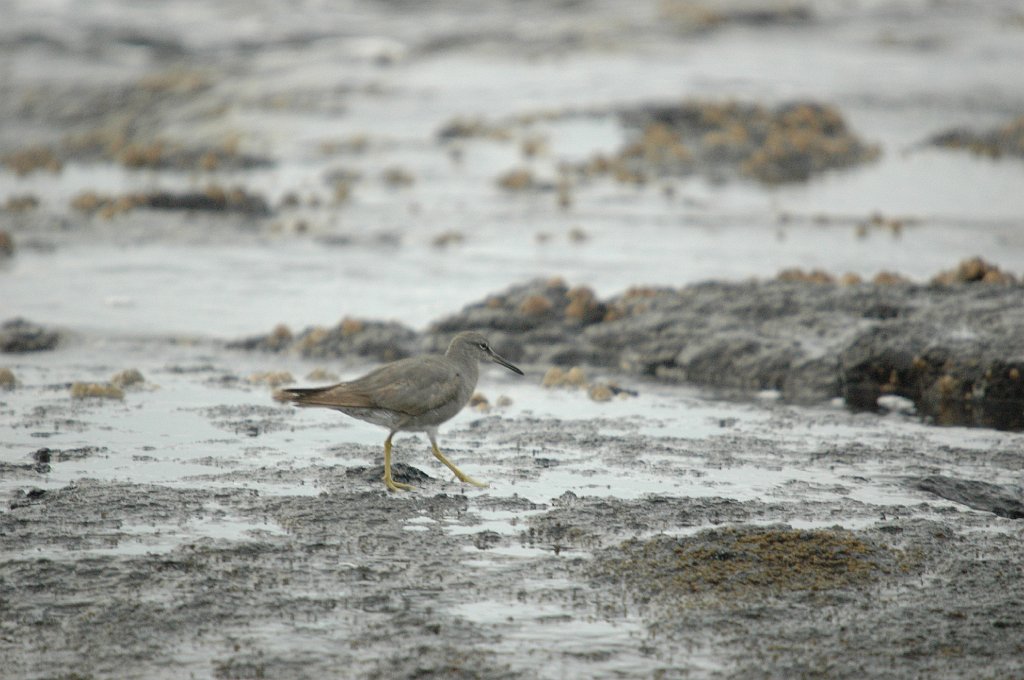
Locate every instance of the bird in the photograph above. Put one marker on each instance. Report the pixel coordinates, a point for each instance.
(416, 394)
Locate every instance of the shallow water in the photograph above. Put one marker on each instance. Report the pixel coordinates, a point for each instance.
(170, 277)
(160, 292)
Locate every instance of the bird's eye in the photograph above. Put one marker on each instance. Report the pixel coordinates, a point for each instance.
(483, 346)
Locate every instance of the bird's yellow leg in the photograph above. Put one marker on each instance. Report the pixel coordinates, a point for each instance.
(463, 477)
(388, 481)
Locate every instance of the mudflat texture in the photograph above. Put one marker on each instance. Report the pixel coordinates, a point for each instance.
(761, 262)
(220, 575)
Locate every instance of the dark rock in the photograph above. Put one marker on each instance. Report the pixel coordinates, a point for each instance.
(236, 201)
(401, 472)
(485, 540)
(383, 341)
(28, 498)
(21, 335)
(953, 350)
(974, 494)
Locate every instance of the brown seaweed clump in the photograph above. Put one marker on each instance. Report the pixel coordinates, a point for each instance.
(118, 146)
(468, 128)
(28, 160)
(818, 276)
(1006, 140)
(789, 143)
(382, 341)
(212, 199)
(974, 270)
(824, 278)
(523, 308)
(743, 563)
(125, 148)
(518, 179)
(84, 390)
(21, 203)
(129, 377)
(557, 377)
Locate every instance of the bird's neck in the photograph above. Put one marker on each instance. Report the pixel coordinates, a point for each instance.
(468, 368)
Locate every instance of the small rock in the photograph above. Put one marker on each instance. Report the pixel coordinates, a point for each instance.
(447, 238)
(19, 335)
(519, 179)
(127, 377)
(478, 402)
(7, 379)
(397, 177)
(486, 539)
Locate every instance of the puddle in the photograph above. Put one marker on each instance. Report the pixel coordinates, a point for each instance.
(156, 539)
(555, 643)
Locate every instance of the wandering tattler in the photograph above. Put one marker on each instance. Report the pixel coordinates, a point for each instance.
(410, 395)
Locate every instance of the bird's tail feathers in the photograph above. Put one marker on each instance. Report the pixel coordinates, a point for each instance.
(331, 396)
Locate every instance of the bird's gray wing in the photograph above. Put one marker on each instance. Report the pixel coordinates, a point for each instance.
(411, 386)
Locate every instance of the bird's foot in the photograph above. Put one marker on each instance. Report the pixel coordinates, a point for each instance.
(463, 477)
(392, 485)
(469, 480)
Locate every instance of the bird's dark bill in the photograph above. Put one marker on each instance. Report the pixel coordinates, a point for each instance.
(506, 364)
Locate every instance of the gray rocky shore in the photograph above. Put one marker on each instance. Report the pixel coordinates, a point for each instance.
(952, 349)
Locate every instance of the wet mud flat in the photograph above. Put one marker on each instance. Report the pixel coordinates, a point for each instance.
(341, 585)
(639, 533)
(754, 540)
